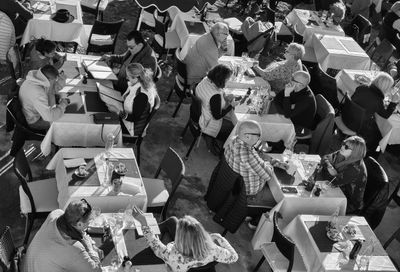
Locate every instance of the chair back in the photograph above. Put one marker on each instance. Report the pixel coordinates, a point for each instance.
(104, 28)
(181, 68)
(327, 86)
(323, 132)
(352, 114)
(283, 243)
(91, 10)
(140, 128)
(195, 113)
(7, 251)
(380, 54)
(270, 14)
(14, 58)
(395, 236)
(361, 30)
(298, 38)
(210, 267)
(376, 192)
(160, 27)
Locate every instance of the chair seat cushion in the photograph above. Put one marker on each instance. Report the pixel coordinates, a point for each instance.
(172, 38)
(44, 193)
(343, 128)
(157, 194)
(98, 39)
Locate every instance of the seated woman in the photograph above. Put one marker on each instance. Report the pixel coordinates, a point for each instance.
(44, 52)
(192, 246)
(391, 26)
(139, 100)
(215, 104)
(337, 10)
(371, 98)
(347, 169)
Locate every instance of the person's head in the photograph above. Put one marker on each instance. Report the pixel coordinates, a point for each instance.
(135, 41)
(45, 47)
(135, 72)
(220, 31)
(353, 148)
(384, 82)
(294, 51)
(300, 79)
(78, 214)
(50, 72)
(191, 239)
(338, 10)
(249, 131)
(396, 8)
(219, 75)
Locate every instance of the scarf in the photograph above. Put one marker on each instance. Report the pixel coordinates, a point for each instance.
(340, 162)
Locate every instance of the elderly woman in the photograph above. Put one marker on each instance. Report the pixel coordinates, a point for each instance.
(192, 246)
(139, 99)
(371, 98)
(44, 52)
(391, 26)
(278, 74)
(215, 104)
(347, 169)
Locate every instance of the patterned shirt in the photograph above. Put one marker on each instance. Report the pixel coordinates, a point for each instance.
(245, 160)
(278, 74)
(222, 253)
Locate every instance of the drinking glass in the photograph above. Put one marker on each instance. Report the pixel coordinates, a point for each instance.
(115, 262)
(302, 156)
(363, 263)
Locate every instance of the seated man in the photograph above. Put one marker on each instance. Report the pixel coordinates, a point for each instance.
(61, 244)
(204, 54)
(297, 102)
(244, 159)
(138, 52)
(278, 74)
(38, 100)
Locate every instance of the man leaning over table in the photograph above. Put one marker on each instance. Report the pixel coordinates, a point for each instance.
(138, 52)
(278, 74)
(244, 159)
(61, 244)
(204, 53)
(38, 97)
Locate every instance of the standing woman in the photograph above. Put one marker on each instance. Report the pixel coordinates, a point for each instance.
(347, 169)
(139, 99)
(390, 29)
(44, 52)
(192, 245)
(371, 98)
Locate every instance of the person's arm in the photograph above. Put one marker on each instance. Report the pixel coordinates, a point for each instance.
(215, 107)
(272, 72)
(347, 176)
(139, 106)
(115, 58)
(224, 252)
(47, 112)
(159, 249)
(298, 109)
(86, 258)
(149, 62)
(386, 113)
(256, 163)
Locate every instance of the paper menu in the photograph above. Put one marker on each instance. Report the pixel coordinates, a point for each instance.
(99, 69)
(110, 96)
(151, 222)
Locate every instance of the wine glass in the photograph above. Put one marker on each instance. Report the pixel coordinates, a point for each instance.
(115, 261)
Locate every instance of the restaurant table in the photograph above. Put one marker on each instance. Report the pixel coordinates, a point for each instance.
(42, 26)
(303, 202)
(123, 242)
(308, 22)
(339, 53)
(93, 4)
(309, 234)
(76, 127)
(92, 188)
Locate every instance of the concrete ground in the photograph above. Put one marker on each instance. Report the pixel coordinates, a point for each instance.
(164, 131)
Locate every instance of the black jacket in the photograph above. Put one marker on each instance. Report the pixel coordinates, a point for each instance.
(18, 13)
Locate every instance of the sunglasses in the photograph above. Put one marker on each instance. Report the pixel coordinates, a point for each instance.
(254, 134)
(88, 209)
(296, 81)
(346, 147)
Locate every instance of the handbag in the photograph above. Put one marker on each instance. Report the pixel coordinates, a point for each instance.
(106, 118)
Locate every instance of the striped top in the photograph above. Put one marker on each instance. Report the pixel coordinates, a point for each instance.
(7, 35)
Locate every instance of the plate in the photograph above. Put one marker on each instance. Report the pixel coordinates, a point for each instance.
(334, 235)
(76, 173)
(362, 79)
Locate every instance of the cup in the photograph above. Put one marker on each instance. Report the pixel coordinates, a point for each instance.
(109, 174)
(302, 155)
(119, 171)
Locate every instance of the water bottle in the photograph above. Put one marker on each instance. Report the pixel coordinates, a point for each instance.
(109, 144)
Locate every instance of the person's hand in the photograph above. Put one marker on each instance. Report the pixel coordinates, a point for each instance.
(64, 102)
(126, 268)
(113, 108)
(139, 216)
(289, 88)
(395, 98)
(229, 98)
(216, 237)
(105, 58)
(99, 252)
(332, 171)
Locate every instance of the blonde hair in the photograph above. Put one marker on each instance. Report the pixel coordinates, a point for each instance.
(145, 76)
(191, 239)
(297, 50)
(383, 81)
(358, 148)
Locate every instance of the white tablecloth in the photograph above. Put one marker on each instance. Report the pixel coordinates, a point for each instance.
(346, 82)
(97, 196)
(93, 4)
(315, 260)
(74, 129)
(41, 26)
(300, 18)
(339, 53)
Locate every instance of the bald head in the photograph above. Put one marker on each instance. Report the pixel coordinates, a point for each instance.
(220, 31)
(249, 131)
(302, 77)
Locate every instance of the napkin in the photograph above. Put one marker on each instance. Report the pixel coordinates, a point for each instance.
(71, 163)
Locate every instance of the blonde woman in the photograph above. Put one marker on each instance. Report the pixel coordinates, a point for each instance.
(371, 98)
(192, 246)
(139, 99)
(347, 169)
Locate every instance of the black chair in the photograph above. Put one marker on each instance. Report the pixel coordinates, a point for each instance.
(103, 36)
(94, 9)
(351, 117)
(360, 30)
(395, 236)
(283, 246)
(270, 14)
(210, 267)
(158, 74)
(164, 41)
(181, 87)
(326, 86)
(37, 198)
(193, 123)
(298, 38)
(22, 132)
(322, 4)
(14, 58)
(10, 255)
(147, 19)
(376, 194)
(157, 194)
(380, 54)
(140, 130)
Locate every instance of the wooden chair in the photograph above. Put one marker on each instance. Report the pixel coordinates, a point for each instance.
(103, 36)
(14, 58)
(395, 236)
(351, 117)
(94, 9)
(37, 198)
(164, 40)
(158, 198)
(326, 86)
(360, 30)
(10, 255)
(380, 54)
(193, 123)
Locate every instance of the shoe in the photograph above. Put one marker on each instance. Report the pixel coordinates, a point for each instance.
(251, 226)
